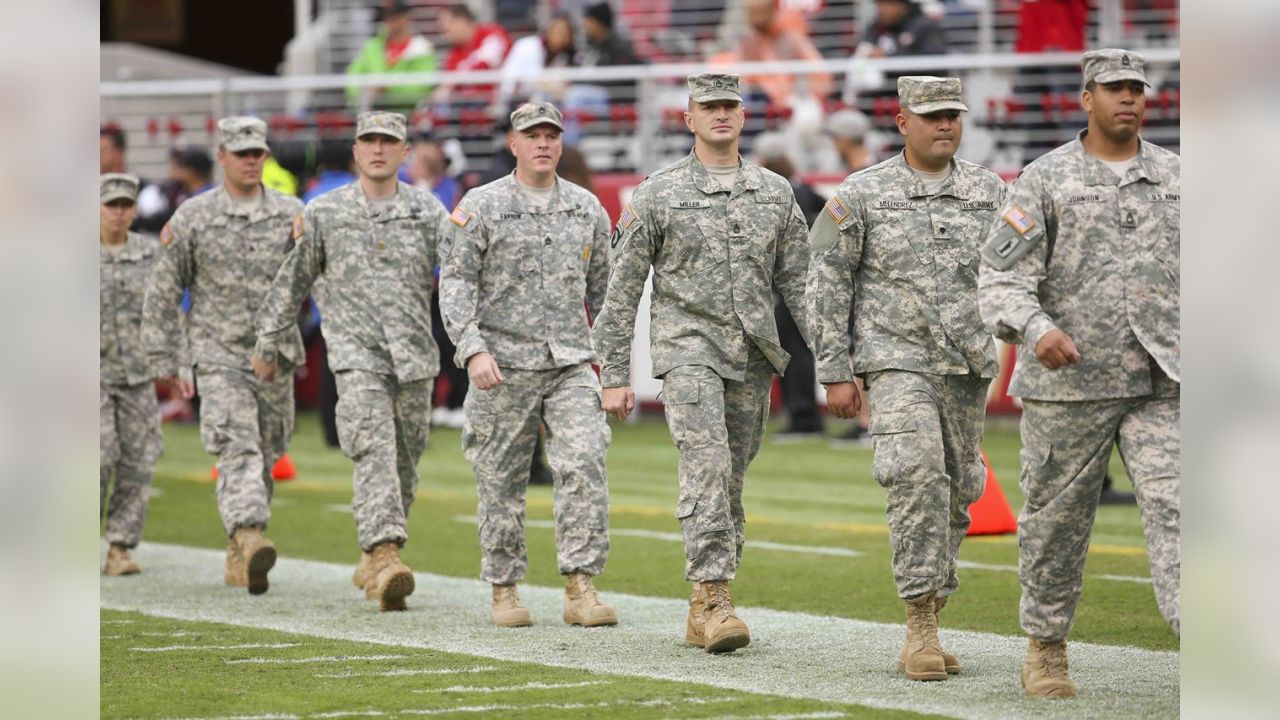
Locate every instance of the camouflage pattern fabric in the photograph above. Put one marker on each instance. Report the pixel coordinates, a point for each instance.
(927, 431)
(1066, 447)
(717, 256)
(227, 258)
(498, 438)
(375, 271)
(122, 286)
(383, 424)
(1104, 271)
(247, 424)
(907, 263)
(717, 425)
(515, 278)
(130, 442)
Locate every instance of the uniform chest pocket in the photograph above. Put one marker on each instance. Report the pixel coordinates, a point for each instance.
(693, 242)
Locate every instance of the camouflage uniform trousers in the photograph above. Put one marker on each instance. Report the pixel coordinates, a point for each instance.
(927, 434)
(717, 425)
(247, 425)
(498, 438)
(129, 443)
(385, 479)
(1066, 447)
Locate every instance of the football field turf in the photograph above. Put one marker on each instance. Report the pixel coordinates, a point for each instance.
(814, 586)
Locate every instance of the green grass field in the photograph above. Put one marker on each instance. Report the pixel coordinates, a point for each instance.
(802, 494)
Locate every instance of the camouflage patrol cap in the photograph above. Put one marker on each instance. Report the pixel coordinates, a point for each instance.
(1111, 65)
(710, 87)
(533, 114)
(923, 94)
(242, 132)
(381, 122)
(117, 186)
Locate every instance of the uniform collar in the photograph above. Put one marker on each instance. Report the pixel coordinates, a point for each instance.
(518, 201)
(403, 206)
(269, 207)
(749, 177)
(1095, 172)
(135, 248)
(959, 184)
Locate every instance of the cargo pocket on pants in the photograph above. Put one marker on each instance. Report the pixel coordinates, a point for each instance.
(356, 431)
(893, 439)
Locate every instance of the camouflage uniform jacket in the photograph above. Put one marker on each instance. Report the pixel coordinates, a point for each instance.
(122, 285)
(226, 257)
(717, 257)
(514, 280)
(907, 262)
(376, 273)
(1105, 271)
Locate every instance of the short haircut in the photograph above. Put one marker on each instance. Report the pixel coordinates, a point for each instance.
(113, 131)
(1091, 86)
(461, 10)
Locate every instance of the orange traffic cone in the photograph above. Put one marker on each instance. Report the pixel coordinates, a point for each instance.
(283, 471)
(991, 514)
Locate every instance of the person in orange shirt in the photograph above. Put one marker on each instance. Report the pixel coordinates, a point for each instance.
(773, 35)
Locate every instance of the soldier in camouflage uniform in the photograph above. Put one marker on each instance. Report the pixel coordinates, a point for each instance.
(721, 234)
(128, 418)
(1081, 269)
(224, 247)
(899, 244)
(526, 268)
(372, 246)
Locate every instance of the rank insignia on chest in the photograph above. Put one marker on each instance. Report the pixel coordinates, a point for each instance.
(297, 227)
(460, 217)
(586, 252)
(837, 210)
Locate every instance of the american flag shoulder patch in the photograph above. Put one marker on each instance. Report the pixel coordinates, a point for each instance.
(297, 227)
(627, 217)
(837, 210)
(1019, 220)
(460, 217)
(166, 235)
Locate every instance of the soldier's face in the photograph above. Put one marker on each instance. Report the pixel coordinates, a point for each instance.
(378, 157)
(118, 215)
(243, 168)
(1116, 109)
(933, 137)
(718, 122)
(537, 149)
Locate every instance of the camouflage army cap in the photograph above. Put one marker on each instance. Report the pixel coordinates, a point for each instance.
(1112, 65)
(242, 132)
(381, 122)
(533, 114)
(709, 87)
(923, 94)
(117, 186)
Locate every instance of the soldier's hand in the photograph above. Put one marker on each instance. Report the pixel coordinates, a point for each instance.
(266, 371)
(483, 371)
(179, 386)
(619, 401)
(1056, 349)
(843, 400)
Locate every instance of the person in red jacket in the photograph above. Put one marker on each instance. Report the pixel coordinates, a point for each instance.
(472, 47)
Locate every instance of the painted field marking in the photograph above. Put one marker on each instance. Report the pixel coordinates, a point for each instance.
(536, 685)
(410, 672)
(792, 654)
(242, 646)
(317, 659)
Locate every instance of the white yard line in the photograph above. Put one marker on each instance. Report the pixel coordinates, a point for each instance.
(511, 688)
(791, 654)
(317, 659)
(201, 648)
(410, 672)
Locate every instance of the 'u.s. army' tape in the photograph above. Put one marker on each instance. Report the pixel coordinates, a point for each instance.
(1014, 238)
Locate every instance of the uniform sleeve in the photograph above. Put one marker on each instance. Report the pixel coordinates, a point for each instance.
(164, 328)
(303, 263)
(632, 246)
(836, 243)
(598, 267)
(1008, 289)
(791, 268)
(460, 282)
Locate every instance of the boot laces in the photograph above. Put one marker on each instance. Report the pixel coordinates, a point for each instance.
(508, 596)
(1053, 658)
(721, 601)
(585, 589)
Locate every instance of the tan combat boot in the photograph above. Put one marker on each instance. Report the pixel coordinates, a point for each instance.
(233, 570)
(722, 631)
(951, 661)
(693, 635)
(921, 657)
(388, 580)
(257, 557)
(507, 609)
(582, 604)
(361, 575)
(1044, 673)
(119, 562)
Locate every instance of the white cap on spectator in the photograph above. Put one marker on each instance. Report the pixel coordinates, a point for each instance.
(849, 125)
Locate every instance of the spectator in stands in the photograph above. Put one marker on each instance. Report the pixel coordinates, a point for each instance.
(111, 146)
(503, 162)
(800, 382)
(471, 47)
(429, 168)
(278, 178)
(604, 46)
(901, 28)
(775, 34)
(530, 55)
(396, 49)
(851, 133)
(1051, 25)
(152, 208)
(337, 169)
(191, 173)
